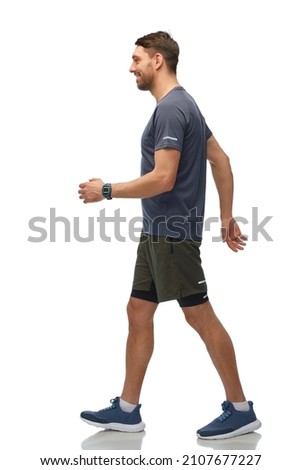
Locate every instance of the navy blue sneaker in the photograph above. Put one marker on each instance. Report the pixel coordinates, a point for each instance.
(114, 418)
(230, 423)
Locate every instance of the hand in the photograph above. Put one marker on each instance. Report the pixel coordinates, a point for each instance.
(91, 191)
(232, 235)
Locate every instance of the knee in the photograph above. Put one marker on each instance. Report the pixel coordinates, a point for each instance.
(192, 318)
(132, 309)
(139, 315)
(199, 317)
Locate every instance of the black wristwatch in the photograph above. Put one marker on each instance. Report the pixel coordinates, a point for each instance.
(107, 191)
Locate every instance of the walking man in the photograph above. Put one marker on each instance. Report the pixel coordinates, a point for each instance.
(176, 145)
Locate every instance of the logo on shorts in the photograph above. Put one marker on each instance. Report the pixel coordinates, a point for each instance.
(202, 282)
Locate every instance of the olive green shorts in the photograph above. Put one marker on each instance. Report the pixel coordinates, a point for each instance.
(169, 269)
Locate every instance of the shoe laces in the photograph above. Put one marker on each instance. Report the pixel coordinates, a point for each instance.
(113, 401)
(226, 412)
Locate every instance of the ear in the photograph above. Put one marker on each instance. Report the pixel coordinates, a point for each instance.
(158, 59)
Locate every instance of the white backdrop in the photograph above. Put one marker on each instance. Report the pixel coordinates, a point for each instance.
(70, 110)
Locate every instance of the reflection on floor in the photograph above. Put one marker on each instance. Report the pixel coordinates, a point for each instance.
(245, 442)
(116, 440)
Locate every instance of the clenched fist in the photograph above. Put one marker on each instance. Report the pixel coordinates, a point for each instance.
(91, 191)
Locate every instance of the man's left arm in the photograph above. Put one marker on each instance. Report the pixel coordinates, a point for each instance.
(223, 178)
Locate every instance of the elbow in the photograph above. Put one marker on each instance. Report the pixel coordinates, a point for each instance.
(223, 164)
(227, 161)
(219, 162)
(167, 184)
(164, 182)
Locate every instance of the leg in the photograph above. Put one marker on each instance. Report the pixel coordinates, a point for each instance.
(219, 346)
(139, 348)
(140, 345)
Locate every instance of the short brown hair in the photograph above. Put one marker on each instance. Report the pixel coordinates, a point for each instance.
(163, 43)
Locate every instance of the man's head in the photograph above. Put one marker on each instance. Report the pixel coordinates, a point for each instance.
(161, 43)
(154, 52)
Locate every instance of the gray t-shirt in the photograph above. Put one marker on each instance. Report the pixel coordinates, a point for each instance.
(177, 123)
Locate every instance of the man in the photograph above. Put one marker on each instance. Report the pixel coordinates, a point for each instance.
(176, 144)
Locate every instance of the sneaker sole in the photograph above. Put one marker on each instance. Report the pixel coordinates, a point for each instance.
(118, 426)
(238, 432)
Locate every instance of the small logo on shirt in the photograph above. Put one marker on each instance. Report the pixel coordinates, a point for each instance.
(201, 282)
(171, 138)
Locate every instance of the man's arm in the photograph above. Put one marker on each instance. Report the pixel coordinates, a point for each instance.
(223, 178)
(160, 180)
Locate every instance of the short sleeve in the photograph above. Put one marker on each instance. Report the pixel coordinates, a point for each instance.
(208, 132)
(169, 127)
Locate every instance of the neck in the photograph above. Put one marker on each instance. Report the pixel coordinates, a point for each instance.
(161, 89)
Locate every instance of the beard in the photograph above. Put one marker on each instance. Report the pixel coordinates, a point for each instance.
(144, 83)
(142, 87)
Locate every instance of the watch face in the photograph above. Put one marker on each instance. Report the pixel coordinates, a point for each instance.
(106, 191)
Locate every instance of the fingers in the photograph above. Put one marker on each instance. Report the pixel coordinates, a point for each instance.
(237, 243)
(90, 191)
(232, 235)
(240, 240)
(83, 192)
(235, 240)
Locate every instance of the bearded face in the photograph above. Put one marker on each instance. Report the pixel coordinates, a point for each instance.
(143, 69)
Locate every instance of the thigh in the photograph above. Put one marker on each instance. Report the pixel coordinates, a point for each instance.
(189, 267)
(179, 273)
(144, 287)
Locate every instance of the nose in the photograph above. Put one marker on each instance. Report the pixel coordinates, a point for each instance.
(132, 67)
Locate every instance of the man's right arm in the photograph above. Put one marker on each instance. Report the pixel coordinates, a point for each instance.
(160, 180)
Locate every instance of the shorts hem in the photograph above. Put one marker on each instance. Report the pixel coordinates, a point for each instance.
(187, 301)
(144, 295)
(193, 300)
